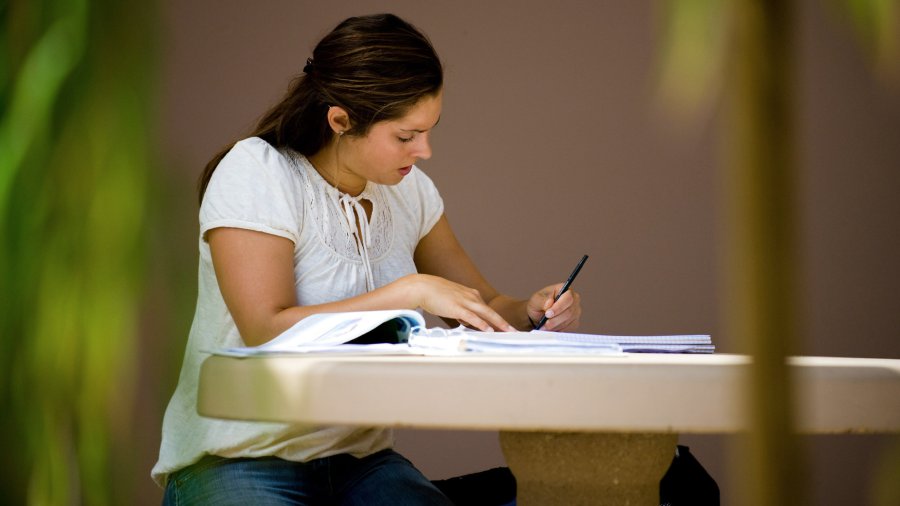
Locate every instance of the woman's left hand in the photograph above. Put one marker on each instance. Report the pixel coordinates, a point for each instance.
(562, 315)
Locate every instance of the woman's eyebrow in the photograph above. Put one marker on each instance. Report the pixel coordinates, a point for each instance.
(421, 131)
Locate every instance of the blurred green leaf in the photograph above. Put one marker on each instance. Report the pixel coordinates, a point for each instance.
(692, 53)
(696, 43)
(876, 24)
(37, 85)
(76, 158)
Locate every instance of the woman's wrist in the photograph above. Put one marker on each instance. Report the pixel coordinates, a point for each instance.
(512, 310)
(409, 291)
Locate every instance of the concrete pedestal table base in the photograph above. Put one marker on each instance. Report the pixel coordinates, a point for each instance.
(588, 468)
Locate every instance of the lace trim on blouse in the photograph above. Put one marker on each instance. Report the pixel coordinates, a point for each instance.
(341, 221)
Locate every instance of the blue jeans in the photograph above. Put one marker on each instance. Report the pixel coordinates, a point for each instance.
(383, 478)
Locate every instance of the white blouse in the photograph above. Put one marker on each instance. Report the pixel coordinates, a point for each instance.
(338, 253)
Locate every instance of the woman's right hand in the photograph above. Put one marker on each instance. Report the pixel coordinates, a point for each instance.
(444, 298)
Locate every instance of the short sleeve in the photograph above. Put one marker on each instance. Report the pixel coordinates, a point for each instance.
(430, 201)
(256, 188)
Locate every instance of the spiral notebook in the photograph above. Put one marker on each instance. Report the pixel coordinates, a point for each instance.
(557, 342)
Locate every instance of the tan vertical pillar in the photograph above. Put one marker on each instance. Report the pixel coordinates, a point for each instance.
(761, 247)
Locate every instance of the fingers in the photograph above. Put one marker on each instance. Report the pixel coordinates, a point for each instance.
(541, 301)
(452, 300)
(564, 314)
(476, 313)
(485, 321)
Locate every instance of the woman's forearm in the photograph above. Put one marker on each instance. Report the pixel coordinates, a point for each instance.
(400, 294)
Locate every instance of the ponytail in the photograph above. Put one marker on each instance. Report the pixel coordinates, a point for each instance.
(374, 67)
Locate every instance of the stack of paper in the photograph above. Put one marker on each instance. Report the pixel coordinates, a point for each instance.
(464, 340)
(693, 343)
(404, 332)
(538, 341)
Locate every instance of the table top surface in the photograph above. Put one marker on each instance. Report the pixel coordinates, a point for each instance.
(630, 393)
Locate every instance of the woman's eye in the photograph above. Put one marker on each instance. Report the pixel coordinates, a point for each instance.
(405, 139)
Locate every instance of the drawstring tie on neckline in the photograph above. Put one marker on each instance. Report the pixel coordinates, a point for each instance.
(356, 224)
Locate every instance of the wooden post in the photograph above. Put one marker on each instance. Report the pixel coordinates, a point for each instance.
(761, 255)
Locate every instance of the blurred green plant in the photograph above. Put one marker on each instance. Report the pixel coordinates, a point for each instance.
(744, 51)
(876, 24)
(76, 149)
(697, 42)
(692, 53)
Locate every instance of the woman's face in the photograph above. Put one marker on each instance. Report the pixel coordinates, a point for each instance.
(386, 154)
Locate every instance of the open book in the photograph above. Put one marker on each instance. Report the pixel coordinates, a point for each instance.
(405, 332)
(351, 332)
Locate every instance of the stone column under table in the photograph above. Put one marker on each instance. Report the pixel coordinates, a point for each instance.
(594, 469)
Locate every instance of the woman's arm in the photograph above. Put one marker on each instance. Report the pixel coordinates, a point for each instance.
(255, 272)
(440, 254)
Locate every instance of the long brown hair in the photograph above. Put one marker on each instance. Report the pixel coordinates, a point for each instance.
(374, 67)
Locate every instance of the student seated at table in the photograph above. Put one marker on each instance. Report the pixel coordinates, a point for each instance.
(321, 209)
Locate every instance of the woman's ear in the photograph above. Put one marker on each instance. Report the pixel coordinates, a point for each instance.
(338, 120)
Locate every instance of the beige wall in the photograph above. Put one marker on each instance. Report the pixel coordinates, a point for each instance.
(550, 147)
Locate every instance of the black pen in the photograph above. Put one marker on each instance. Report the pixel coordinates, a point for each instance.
(563, 290)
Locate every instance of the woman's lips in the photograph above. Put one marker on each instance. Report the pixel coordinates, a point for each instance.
(406, 170)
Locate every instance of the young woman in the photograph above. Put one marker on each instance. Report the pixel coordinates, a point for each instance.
(323, 210)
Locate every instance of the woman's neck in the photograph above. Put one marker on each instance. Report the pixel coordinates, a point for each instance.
(327, 165)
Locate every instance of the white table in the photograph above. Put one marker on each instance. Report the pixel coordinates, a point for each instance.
(574, 430)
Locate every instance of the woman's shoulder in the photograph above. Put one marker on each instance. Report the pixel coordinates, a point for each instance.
(416, 189)
(253, 144)
(254, 166)
(252, 156)
(417, 180)
(418, 197)
(254, 187)
(258, 149)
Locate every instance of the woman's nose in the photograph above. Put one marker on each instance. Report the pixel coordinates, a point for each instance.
(423, 147)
